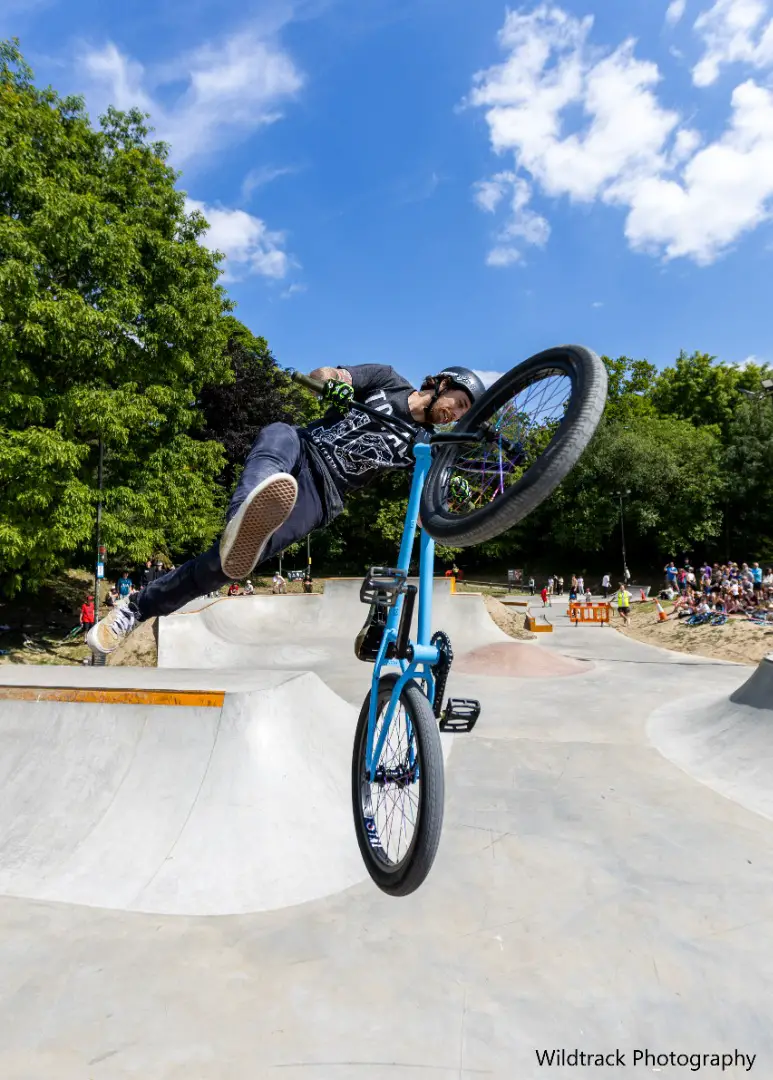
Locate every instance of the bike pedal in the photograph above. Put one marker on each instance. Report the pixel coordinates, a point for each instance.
(383, 585)
(461, 715)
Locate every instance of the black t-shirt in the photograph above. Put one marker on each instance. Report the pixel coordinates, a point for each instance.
(354, 447)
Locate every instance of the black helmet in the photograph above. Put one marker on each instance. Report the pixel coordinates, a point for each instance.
(464, 379)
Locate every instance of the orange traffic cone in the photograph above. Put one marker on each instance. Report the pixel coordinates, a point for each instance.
(661, 613)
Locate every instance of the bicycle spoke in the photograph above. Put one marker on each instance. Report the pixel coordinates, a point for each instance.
(524, 425)
(391, 797)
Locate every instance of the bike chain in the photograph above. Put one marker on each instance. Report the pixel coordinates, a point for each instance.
(441, 669)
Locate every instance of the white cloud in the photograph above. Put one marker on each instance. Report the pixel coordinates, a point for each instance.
(675, 11)
(489, 193)
(503, 256)
(230, 90)
(522, 222)
(293, 291)
(248, 245)
(488, 378)
(597, 303)
(259, 177)
(733, 31)
(587, 124)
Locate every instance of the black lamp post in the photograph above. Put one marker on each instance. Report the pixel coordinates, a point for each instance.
(620, 496)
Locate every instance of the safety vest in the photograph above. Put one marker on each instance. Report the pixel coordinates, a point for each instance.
(623, 598)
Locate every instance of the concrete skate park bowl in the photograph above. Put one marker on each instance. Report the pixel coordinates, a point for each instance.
(725, 741)
(181, 892)
(317, 631)
(177, 801)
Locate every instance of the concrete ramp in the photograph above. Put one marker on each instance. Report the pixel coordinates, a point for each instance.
(298, 632)
(175, 801)
(724, 742)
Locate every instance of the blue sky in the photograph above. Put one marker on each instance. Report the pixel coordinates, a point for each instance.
(420, 182)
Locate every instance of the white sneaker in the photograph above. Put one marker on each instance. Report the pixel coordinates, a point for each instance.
(265, 509)
(113, 630)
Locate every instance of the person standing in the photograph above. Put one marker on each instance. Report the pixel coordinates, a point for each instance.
(124, 586)
(606, 585)
(87, 614)
(623, 603)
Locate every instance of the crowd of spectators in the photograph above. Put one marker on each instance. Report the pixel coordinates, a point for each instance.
(722, 588)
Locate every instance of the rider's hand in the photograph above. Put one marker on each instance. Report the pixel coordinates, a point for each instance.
(338, 393)
(460, 489)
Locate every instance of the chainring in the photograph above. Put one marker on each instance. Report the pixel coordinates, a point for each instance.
(441, 669)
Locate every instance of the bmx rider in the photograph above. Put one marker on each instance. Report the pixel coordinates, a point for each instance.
(295, 480)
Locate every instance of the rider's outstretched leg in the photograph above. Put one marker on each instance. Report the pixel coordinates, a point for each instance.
(262, 520)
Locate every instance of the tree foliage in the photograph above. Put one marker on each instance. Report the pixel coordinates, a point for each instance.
(258, 393)
(111, 322)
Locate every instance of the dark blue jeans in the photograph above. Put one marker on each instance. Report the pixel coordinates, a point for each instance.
(278, 448)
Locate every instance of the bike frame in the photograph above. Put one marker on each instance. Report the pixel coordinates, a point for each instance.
(424, 654)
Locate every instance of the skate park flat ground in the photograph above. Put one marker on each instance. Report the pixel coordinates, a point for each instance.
(181, 894)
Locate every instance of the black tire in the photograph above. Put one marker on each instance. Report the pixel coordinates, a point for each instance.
(586, 405)
(404, 876)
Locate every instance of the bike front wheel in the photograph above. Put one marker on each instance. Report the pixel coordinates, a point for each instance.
(398, 807)
(539, 418)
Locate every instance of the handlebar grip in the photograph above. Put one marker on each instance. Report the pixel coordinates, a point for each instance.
(315, 385)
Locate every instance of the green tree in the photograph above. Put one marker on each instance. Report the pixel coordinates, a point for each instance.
(748, 461)
(673, 473)
(110, 325)
(258, 393)
(699, 389)
(630, 386)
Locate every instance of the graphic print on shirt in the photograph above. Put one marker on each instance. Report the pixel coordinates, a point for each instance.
(358, 446)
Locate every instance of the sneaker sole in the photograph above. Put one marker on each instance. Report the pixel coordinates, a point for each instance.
(259, 517)
(96, 646)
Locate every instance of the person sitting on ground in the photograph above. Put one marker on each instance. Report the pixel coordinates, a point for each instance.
(112, 598)
(295, 479)
(249, 588)
(233, 589)
(278, 583)
(87, 614)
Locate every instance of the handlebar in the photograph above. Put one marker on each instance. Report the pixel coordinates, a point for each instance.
(315, 385)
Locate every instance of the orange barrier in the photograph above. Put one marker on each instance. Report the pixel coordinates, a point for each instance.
(589, 613)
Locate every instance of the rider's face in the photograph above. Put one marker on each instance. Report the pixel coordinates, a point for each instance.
(449, 407)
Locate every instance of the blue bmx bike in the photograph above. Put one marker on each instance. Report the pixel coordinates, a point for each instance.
(471, 482)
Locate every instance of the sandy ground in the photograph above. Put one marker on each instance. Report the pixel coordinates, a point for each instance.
(508, 619)
(141, 650)
(738, 640)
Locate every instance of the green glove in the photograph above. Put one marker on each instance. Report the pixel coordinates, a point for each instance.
(460, 489)
(339, 394)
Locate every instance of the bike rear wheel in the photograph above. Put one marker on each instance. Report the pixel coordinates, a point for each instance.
(541, 416)
(398, 811)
